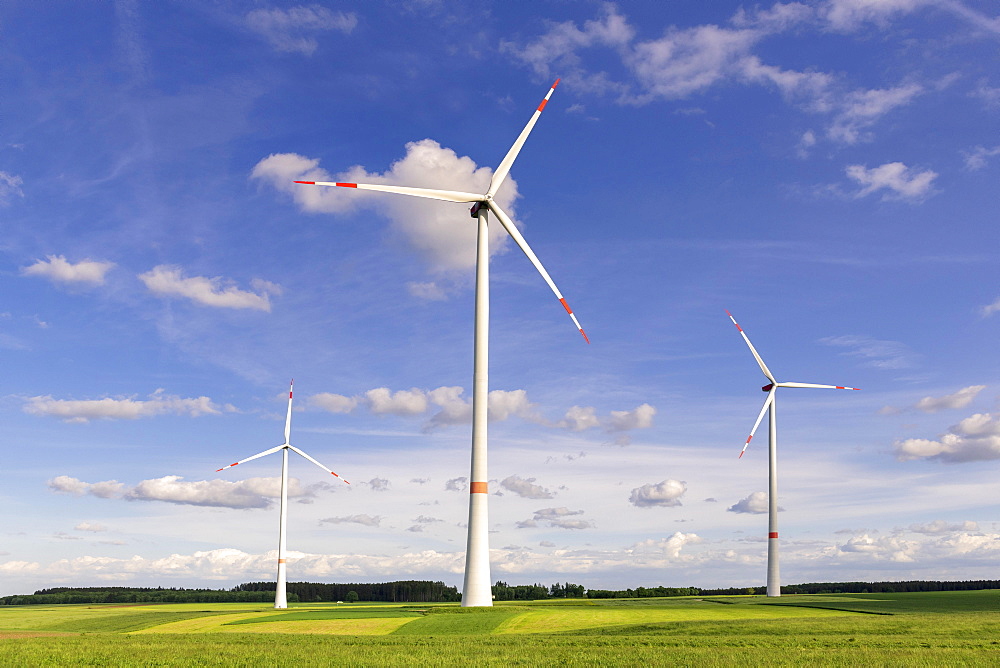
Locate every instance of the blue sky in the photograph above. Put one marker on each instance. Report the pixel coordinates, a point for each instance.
(825, 170)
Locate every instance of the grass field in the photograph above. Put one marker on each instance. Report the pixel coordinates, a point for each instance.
(920, 629)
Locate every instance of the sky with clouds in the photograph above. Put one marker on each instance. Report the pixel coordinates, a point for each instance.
(827, 170)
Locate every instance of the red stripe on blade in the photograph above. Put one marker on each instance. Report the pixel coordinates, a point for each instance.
(566, 306)
(542, 105)
(308, 183)
(347, 185)
(556, 83)
(585, 337)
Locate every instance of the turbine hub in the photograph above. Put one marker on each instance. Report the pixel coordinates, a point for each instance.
(767, 388)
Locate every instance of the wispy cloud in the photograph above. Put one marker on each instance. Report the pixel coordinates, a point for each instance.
(169, 281)
(976, 159)
(876, 353)
(294, 30)
(249, 493)
(10, 185)
(362, 519)
(122, 408)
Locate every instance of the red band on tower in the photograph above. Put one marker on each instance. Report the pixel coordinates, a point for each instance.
(773, 534)
(478, 488)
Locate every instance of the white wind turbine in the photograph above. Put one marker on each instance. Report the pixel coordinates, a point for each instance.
(773, 578)
(476, 589)
(280, 597)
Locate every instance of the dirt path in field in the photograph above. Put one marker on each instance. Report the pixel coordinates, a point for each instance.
(15, 635)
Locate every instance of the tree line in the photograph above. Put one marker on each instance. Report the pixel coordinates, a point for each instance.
(425, 591)
(413, 591)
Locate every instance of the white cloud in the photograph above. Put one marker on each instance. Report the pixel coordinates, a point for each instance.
(664, 494)
(334, 403)
(959, 399)
(362, 519)
(85, 410)
(640, 417)
(379, 484)
(249, 493)
(882, 548)
(383, 401)
(525, 487)
(90, 526)
(59, 269)
(10, 184)
(217, 292)
(990, 309)
(755, 503)
(293, 30)
(976, 158)
(558, 518)
(457, 485)
(849, 15)
(861, 109)
(897, 179)
(579, 418)
(974, 439)
(939, 527)
(880, 354)
(441, 233)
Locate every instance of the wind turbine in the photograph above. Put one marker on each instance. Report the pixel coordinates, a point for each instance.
(773, 578)
(476, 588)
(280, 597)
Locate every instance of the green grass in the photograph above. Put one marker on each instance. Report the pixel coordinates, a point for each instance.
(920, 629)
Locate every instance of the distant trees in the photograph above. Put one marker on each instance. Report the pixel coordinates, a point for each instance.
(644, 592)
(412, 591)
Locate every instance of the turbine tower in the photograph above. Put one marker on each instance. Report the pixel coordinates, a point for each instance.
(476, 588)
(773, 576)
(280, 596)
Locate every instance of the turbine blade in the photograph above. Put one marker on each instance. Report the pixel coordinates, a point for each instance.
(294, 449)
(763, 367)
(827, 387)
(508, 225)
(445, 195)
(504, 167)
(259, 454)
(288, 417)
(767, 404)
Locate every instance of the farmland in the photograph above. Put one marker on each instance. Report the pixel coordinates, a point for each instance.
(935, 628)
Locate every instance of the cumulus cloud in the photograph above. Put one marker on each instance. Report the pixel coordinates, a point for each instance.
(898, 180)
(169, 281)
(669, 547)
(755, 503)
(383, 401)
(881, 548)
(875, 352)
(249, 493)
(579, 418)
(974, 439)
(58, 269)
(860, 110)
(440, 233)
(457, 485)
(334, 403)
(293, 30)
(362, 519)
(959, 399)
(84, 410)
(10, 184)
(621, 422)
(525, 487)
(379, 484)
(662, 494)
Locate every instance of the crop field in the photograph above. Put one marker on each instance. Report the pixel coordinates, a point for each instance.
(913, 629)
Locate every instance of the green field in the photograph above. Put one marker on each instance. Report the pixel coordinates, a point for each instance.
(920, 629)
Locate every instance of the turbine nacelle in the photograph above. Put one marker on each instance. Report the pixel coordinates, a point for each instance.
(767, 388)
